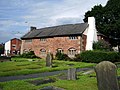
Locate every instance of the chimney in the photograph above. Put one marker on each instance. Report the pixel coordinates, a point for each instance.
(91, 22)
(91, 34)
(32, 28)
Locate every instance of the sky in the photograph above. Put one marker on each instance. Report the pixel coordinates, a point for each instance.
(16, 16)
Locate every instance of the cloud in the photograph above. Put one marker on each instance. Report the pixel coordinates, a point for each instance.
(19, 15)
(46, 14)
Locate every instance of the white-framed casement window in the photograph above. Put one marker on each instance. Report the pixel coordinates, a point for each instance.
(60, 50)
(14, 46)
(25, 51)
(28, 40)
(42, 52)
(72, 51)
(14, 52)
(43, 39)
(73, 37)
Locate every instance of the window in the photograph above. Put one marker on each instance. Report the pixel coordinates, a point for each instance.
(14, 52)
(73, 37)
(60, 50)
(71, 51)
(25, 51)
(43, 52)
(14, 46)
(43, 39)
(28, 40)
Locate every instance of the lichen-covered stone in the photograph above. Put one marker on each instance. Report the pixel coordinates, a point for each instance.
(72, 74)
(106, 76)
(49, 60)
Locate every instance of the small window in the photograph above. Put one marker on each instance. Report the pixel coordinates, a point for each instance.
(73, 37)
(14, 46)
(14, 52)
(71, 51)
(60, 50)
(43, 52)
(28, 40)
(43, 39)
(25, 51)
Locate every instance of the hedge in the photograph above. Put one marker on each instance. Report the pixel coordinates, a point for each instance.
(98, 56)
(62, 56)
(30, 54)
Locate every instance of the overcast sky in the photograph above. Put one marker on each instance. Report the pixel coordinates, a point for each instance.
(16, 16)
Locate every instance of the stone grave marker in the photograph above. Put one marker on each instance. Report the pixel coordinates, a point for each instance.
(49, 60)
(72, 74)
(106, 76)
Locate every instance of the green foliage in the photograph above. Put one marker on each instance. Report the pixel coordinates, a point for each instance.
(2, 49)
(98, 56)
(30, 54)
(84, 82)
(62, 56)
(101, 45)
(23, 66)
(17, 85)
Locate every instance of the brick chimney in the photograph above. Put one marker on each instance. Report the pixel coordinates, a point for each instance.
(32, 28)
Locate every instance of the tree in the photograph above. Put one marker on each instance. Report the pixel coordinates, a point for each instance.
(102, 45)
(1, 49)
(107, 20)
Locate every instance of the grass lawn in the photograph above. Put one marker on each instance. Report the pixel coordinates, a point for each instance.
(22, 66)
(84, 82)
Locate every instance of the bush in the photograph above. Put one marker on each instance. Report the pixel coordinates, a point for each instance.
(98, 56)
(62, 56)
(101, 45)
(77, 58)
(30, 54)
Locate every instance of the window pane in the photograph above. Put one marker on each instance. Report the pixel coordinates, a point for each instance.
(73, 37)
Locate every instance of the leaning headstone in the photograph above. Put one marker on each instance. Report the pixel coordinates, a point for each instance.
(49, 60)
(72, 74)
(106, 76)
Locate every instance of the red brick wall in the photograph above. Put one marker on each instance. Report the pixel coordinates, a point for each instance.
(52, 44)
(84, 41)
(15, 45)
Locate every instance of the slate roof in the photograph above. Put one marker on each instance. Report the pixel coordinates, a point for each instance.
(62, 30)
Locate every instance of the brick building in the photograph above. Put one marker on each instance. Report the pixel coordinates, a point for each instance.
(12, 47)
(70, 39)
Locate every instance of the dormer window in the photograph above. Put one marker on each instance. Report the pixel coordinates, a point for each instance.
(73, 37)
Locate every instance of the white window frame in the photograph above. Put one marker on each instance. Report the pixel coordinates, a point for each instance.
(60, 50)
(72, 51)
(42, 52)
(43, 39)
(73, 37)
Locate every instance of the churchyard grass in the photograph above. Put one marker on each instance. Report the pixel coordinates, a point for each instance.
(84, 82)
(23, 66)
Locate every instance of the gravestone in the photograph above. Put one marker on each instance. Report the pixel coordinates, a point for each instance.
(49, 60)
(106, 76)
(72, 74)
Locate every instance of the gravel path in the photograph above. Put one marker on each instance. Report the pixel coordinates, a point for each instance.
(45, 74)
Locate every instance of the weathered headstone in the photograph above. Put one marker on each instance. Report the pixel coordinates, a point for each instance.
(72, 74)
(49, 60)
(106, 76)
